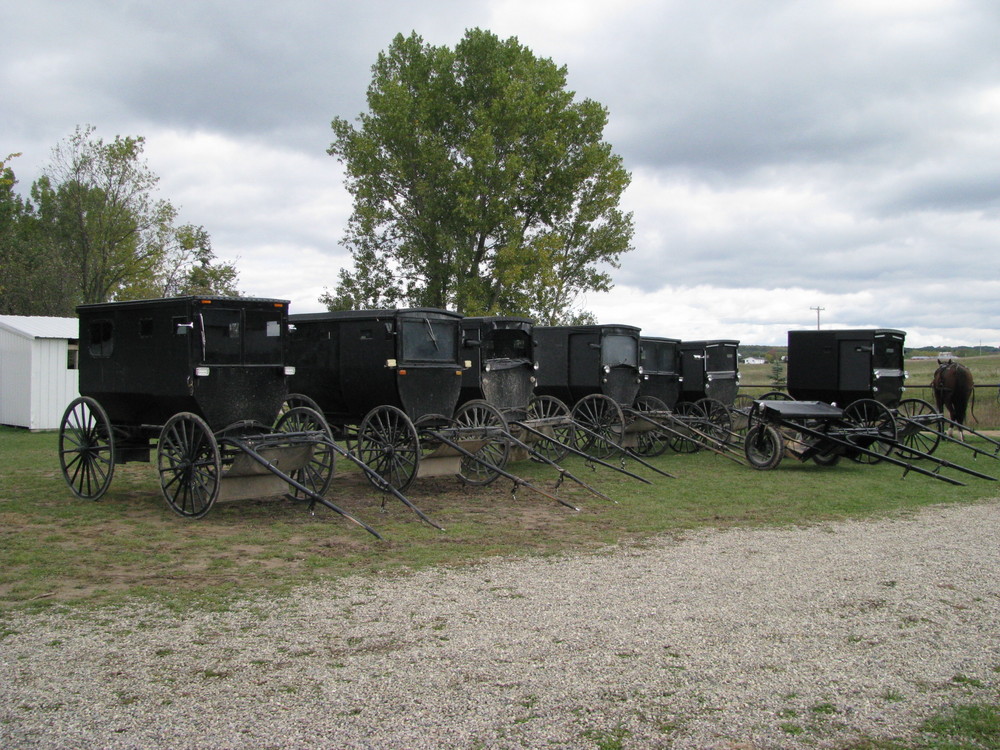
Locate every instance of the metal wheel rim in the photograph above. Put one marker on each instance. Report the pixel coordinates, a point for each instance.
(86, 448)
(189, 464)
(600, 415)
(688, 412)
(914, 437)
(763, 447)
(651, 443)
(869, 413)
(478, 415)
(549, 407)
(387, 443)
(318, 472)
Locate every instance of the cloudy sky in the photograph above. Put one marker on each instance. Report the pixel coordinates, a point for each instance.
(785, 154)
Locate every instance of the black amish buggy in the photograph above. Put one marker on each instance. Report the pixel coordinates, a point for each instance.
(846, 386)
(661, 378)
(204, 378)
(501, 352)
(389, 381)
(595, 369)
(709, 369)
(840, 367)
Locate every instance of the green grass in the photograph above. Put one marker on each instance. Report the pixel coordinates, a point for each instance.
(56, 548)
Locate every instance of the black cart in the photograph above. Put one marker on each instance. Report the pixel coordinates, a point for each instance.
(388, 382)
(204, 379)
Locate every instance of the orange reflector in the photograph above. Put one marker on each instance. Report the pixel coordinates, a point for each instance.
(279, 304)
(458, 372)
(206, 302)
(402, 372)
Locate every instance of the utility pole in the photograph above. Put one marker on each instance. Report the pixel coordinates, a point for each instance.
(817, 309)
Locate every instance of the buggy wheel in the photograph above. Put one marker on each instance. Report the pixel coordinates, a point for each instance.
(775, 396)
(687, 414)
(740, 414)
(388, 444)
(651, 442)
(764, 447)
(297, 399)
(555, 422)
(718, 423)
(190, 466)
(874, 429)
(86, 448)
(485, 419)
(603, 423)
(317, 473)
(920, 427)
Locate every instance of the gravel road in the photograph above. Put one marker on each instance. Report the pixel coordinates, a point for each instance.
(759, 638)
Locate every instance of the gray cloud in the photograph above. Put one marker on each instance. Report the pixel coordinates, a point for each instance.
(830, 147)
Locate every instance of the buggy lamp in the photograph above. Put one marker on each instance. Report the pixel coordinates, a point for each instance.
(607, 369)
(289, 370)
(467, 363)
(202, 372)
(533, 380)
(390, 363)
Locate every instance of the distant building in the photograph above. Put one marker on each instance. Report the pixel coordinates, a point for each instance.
(38, 370)
(754, 361)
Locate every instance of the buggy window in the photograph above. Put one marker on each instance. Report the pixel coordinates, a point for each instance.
(427, 340)
(263, 337)
(507, 344)
(222, 336)
(617, 350)
(888, 354)
(721, 359)
(658, 357)
(102, 338)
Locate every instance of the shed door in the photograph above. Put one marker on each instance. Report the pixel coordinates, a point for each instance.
(855, 365)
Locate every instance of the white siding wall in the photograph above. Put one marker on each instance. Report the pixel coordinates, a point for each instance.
(53, 386)
(15, 381)
(35, 384)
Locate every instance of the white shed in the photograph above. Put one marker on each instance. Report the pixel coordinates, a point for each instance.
(38, 369)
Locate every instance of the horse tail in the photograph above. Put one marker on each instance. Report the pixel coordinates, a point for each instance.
(972, 403)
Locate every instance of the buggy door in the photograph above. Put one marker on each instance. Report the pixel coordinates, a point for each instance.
(855, 366)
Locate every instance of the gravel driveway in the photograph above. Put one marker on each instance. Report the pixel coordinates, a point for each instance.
(761, 638)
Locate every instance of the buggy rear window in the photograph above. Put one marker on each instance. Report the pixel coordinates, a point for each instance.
(263, 342)
(617, 350)
(429, 340)
(657, 357)
(721, 358)
(507, 344)
(222, 336)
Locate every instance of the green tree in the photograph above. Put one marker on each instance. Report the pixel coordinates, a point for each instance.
(96, 202)
(479, 183)
(33, 279)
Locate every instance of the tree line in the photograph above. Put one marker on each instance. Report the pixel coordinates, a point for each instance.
(92, 230)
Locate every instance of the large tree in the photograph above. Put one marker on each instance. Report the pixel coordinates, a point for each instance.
(33, 278)
(479, 182)
(97, 232)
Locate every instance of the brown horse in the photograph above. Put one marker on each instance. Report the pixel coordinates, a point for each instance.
(953, 388)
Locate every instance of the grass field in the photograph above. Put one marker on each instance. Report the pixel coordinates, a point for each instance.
(58, 551)
(56, 548)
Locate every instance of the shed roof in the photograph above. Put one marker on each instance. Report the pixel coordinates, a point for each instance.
(41, 327)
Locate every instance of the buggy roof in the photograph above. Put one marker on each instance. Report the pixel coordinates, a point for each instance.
(174, 300)
(853, 332)
(658, 340)
(591, 328)
(335, 315)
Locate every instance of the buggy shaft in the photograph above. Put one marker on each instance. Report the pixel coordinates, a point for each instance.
(580, 453)
(314, 496)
